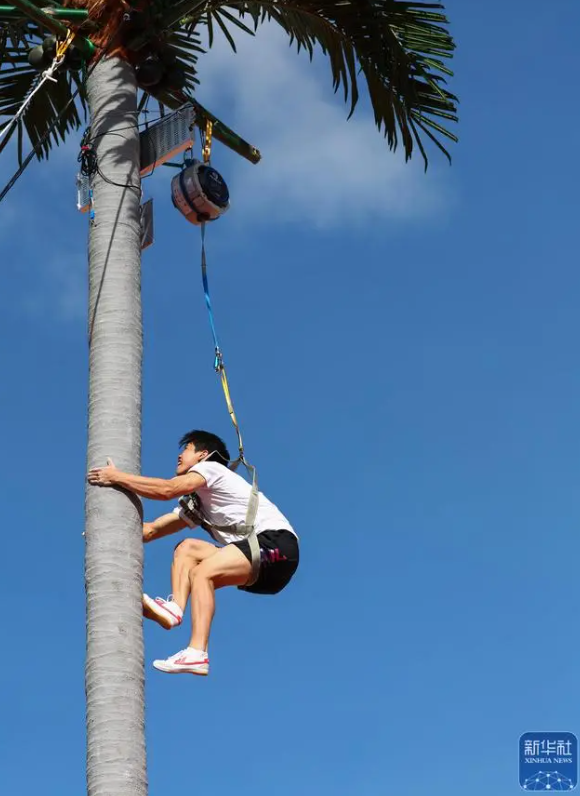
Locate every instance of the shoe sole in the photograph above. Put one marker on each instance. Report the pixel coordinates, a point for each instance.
(181, 671)
(157, 616)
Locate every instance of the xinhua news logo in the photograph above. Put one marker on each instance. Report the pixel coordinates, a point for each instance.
(548, 761)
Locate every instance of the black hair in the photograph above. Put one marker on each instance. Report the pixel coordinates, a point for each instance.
(205, 440)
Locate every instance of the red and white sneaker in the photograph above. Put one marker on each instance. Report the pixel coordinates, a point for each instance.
(187, 661)
(165, 612)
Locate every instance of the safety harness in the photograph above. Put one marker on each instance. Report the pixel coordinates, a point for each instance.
(192, 509)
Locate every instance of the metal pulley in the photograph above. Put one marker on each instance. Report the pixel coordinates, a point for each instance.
(200, 193)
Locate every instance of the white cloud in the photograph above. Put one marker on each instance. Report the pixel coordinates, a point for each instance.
(317, 165)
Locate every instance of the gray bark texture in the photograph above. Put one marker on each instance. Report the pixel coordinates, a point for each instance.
(114, 677)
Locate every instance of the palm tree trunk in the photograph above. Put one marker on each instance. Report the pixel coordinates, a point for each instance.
(116, 763)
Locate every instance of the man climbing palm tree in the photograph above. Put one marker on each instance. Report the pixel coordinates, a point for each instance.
(394, 50)
(218, 499)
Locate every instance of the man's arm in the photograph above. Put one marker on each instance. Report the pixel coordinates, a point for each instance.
(152, 488)
(163, 526)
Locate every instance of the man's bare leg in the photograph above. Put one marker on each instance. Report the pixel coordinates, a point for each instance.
(228, 567)
(169, 613)
(187, 556)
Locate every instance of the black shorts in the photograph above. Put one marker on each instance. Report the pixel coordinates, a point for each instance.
(279, 560)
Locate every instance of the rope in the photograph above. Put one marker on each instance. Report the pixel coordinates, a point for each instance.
(248, 529)
(47, 75)
(219, 359)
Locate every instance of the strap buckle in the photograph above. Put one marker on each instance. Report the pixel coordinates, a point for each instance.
(219, 360)
(208, 141)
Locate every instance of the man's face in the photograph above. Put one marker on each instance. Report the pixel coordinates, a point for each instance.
(188, 457)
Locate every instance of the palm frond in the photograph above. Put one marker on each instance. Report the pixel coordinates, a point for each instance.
(12, 38)
(50, 108)
(400, 48)
(184, 46)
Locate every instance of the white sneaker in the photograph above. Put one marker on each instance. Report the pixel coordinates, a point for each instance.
(188, 661)
(165, 612)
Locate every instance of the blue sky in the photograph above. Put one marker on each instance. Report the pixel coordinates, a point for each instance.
(402, 351)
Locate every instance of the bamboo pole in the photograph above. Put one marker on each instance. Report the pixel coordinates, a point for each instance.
(79, 15)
